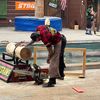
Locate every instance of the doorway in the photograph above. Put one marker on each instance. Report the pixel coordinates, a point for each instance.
(75, 13)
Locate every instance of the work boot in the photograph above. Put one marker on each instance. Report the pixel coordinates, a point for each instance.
(52, 80)
(88, 31)
(48, 85)
(60, 78)
(51, 83)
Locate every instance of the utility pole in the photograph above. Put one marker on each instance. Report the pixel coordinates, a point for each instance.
(98, 16)
(39, 8)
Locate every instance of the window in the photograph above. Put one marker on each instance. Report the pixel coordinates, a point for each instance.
(3, 8)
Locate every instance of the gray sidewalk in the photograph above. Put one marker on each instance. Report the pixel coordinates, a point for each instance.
(9, 34)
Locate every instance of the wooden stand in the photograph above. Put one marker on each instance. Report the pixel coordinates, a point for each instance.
(11, 67)
(16, 60)
(82, 74)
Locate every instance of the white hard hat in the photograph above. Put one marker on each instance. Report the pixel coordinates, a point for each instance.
(47, 21)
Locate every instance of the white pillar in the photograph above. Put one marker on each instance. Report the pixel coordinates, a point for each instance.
(39, 8)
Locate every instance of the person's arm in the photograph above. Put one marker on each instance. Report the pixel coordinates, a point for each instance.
(30, 43)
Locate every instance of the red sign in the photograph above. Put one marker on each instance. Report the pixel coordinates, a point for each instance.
(19, 5)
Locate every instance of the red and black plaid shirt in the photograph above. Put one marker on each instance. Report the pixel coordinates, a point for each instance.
(47, 37)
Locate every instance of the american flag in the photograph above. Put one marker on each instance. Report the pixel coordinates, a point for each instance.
(63, 4)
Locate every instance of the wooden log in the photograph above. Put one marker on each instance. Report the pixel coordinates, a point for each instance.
(20, 52)
(10, 48)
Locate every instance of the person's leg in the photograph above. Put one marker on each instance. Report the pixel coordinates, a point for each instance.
(54, 66)
(61, 61)
(94, 26)
(88, 28)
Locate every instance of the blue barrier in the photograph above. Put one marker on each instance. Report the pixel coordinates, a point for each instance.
(28, 23)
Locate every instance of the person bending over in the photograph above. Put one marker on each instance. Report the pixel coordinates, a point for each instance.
(55, 43)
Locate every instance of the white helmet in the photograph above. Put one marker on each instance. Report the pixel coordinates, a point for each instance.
(47, 21)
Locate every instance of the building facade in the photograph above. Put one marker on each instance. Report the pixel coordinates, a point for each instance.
(74, 12)
(9, 10)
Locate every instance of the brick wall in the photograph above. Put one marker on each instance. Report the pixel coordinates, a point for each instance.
(11, 13)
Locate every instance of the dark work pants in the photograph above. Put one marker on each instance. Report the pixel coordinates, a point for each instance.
(88, 26)
(61, 61)
(89, 23)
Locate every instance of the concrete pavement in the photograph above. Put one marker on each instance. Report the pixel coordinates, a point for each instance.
(63, 89)
(9, 34)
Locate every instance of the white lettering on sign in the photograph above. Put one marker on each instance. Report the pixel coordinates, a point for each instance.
(25, 5)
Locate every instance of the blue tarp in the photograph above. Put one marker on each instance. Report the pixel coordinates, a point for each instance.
(28, 23)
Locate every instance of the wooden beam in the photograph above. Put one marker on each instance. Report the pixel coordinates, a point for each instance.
(66, 49)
